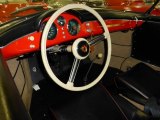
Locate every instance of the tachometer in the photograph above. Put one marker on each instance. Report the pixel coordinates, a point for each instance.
(73, 27)
(52, 32)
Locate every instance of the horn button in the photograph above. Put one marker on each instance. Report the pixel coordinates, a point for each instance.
(81, 48)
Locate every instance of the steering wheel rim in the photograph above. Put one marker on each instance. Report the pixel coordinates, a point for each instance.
(69, 85)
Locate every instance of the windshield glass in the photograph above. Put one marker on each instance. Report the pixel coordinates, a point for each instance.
(10, 9)
(60, 3)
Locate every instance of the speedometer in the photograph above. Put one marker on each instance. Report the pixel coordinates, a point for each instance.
(73, 27)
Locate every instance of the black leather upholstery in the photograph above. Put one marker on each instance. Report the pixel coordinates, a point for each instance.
(152, 107)
(141, 84)
(94, 104)
(131, 111)
(99, 104)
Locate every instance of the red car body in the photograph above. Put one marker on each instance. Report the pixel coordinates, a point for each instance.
(131, 5)
(9, 10)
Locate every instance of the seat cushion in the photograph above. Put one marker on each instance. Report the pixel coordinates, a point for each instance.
(142, 79)
(141, 84)
(93, 104)
(99, 104)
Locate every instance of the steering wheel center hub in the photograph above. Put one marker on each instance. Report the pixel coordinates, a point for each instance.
(81, 48)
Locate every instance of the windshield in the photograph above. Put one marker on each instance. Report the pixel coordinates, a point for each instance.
(15, 8)
(60, 3)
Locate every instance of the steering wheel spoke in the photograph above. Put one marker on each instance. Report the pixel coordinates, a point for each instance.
(74, 70)
(60, 48)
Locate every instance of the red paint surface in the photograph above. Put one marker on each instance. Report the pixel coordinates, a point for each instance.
(7, 8)
(131, 5)
(22, 45)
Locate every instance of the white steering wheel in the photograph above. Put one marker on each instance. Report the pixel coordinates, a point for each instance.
(79, 44)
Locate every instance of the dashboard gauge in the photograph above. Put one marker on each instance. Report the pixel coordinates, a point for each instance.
(52, 32)
(73, 27)
(61, 21)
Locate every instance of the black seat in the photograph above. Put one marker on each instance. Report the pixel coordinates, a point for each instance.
(94, 104)
(141, 84)
(99, 104)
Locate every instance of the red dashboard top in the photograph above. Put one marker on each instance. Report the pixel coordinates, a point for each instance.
(31, 42)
